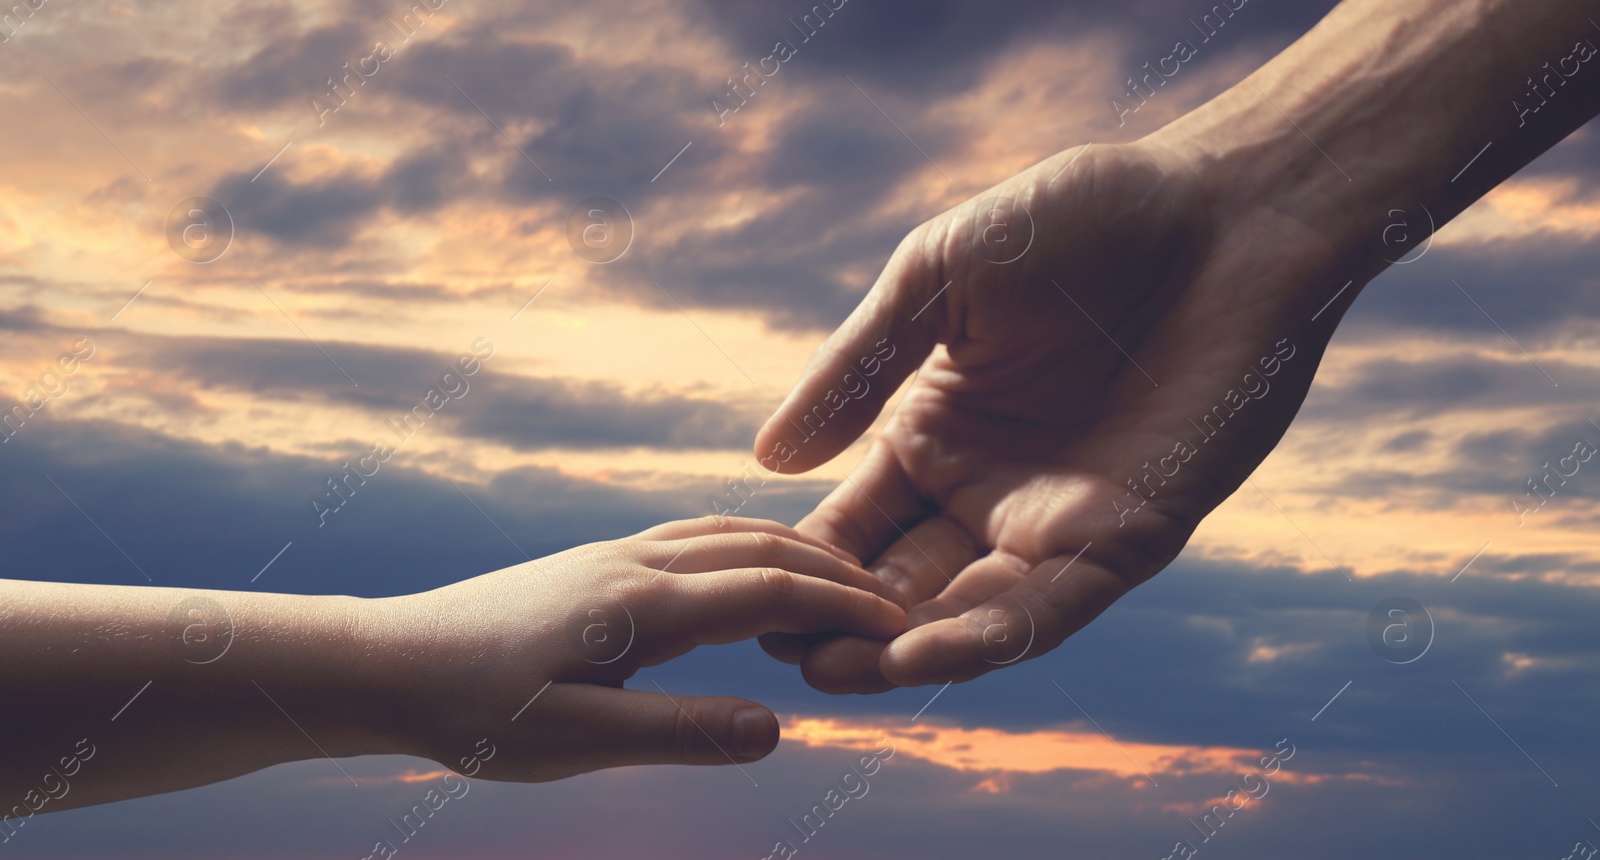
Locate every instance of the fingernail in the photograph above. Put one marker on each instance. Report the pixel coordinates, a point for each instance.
(755, 732)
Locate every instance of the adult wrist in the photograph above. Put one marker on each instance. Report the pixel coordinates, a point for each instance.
(1386, 111)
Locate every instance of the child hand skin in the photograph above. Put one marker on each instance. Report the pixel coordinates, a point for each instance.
(528, 662)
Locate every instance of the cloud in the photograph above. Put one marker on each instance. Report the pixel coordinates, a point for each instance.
(928, 49)
(1458, 383)
(991, 750)
(193, 515)
(294, 66)
(785, 214)
(526, 413)
(1540, 287)
(314, 214)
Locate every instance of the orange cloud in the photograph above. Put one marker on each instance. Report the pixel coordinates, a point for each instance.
(985, 750)
(997, 757)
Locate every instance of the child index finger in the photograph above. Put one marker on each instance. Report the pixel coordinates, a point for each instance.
(730, 605)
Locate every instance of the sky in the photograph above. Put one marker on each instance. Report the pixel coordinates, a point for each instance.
(355, 243)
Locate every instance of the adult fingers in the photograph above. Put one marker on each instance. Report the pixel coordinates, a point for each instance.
(867, 512)
(871, 508)
(850, 664)
(925, 558)
(1032, 617)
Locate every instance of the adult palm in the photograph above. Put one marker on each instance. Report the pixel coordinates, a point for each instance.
(1081, 336)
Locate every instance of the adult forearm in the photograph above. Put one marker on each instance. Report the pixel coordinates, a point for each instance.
(157, 689)
(1385, 104)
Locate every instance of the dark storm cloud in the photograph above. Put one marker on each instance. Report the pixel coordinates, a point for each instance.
(523, 412)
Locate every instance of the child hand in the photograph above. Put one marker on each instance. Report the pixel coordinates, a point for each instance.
(527, 663)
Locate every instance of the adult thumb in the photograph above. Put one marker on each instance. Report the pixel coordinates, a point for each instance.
(855, 371)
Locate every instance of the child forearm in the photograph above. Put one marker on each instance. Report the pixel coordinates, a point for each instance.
(159, 689)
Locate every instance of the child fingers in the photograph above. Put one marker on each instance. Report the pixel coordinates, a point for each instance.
(999, 627)
(631, 727)
(846, 664)
(730, 605)
(765, 549)
(709, 526)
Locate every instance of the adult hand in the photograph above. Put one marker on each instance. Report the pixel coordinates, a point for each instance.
(1054, 449)
(1073, 330)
